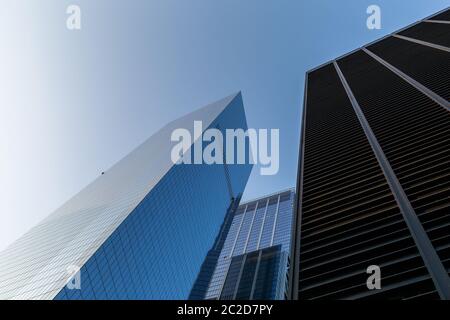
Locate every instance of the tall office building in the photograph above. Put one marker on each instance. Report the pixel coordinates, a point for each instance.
(141, 230)
(254, 256)
(374, 170)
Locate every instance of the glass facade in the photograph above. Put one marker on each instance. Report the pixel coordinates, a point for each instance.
(140, 231)
(256, 226)
(258, 275)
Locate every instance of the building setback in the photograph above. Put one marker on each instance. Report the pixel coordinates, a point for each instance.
(374, 170)
(253, 259)
(141, 230)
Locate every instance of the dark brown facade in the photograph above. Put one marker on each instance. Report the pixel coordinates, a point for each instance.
(374, 170)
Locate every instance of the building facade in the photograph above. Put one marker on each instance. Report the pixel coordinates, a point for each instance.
(374, 170)
(141, 230)
(253, 261)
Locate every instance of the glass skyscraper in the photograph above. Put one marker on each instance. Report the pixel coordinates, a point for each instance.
(253, 260)
(141, 230)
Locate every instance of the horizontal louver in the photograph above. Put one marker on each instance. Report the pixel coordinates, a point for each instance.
(348, 217)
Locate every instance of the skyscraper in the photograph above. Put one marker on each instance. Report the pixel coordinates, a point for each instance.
(374, 170)
(253, 260)
(140, 231)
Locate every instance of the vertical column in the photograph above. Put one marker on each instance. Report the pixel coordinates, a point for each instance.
(231, 253)
(426, 249)
(239, 231)
(262, 224)
(251, 226)
(239, 277)
(275, 221)
(255, 277)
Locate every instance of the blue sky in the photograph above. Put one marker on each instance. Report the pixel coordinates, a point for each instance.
(75, 102)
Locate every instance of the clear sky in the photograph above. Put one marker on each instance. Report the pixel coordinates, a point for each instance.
(72, 103)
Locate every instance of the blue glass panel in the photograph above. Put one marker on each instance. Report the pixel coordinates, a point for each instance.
(256, 227)
(284, 222)
(157, 251)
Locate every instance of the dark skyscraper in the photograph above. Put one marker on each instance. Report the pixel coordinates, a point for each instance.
(374, 170)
